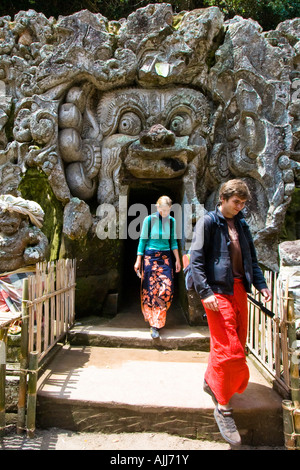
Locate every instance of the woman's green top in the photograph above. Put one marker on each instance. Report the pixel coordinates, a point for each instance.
(155, 234)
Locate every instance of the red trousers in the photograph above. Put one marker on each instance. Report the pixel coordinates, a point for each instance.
(227, 372)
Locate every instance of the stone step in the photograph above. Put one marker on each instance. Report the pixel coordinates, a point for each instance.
(114, 390)
(128, 329)
(98, 334)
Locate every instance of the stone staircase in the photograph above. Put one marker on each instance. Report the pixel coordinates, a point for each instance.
(112, 377)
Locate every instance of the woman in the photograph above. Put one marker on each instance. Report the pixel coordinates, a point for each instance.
(157, 241)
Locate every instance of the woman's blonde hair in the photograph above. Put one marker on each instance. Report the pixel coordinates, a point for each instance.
(164, 201)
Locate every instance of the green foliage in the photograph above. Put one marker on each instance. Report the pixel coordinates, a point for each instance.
(268, 13)
(112, 9)
(35, 186)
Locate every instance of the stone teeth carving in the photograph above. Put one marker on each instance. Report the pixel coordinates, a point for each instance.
(81, 156)
(69, 116)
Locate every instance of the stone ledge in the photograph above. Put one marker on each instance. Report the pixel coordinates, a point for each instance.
(182, 338)
(137, 390)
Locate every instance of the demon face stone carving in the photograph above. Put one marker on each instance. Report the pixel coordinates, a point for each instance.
(142, 133)
(154, 133)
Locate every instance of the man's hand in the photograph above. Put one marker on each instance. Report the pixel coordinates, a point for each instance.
(211, 303)
(266, 294)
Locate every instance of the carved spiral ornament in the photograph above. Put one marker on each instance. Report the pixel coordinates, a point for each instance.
(42, 126)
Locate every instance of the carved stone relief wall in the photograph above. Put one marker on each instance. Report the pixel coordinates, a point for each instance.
(96, 106)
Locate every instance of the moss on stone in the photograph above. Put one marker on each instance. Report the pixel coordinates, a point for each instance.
(10, 123)
(177, 19)
(35, 186)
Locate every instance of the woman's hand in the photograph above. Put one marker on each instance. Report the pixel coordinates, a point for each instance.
(177, 260)
(177, 266)
(138, 264)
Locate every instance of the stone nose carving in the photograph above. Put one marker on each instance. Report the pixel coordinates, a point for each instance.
(157, 136)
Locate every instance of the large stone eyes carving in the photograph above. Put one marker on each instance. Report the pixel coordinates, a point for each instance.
(130, 124)
(181, 124)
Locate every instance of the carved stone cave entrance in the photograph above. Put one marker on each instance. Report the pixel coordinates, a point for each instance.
(146, 193)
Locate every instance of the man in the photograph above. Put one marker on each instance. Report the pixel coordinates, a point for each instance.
(224, 266)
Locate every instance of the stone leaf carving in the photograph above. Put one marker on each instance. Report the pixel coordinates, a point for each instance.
(86, 48)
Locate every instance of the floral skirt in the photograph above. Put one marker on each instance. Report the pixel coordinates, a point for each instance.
(157, 286)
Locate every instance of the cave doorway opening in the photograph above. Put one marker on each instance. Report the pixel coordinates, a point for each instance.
(146, 195)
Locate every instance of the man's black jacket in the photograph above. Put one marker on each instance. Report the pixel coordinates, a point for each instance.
(210, 256)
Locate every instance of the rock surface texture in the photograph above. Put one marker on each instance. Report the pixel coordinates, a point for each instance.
(99, 107)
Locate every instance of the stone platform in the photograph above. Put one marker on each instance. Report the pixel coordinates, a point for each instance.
(146, 386)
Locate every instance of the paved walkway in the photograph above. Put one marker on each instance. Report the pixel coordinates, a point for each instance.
(61, 439)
